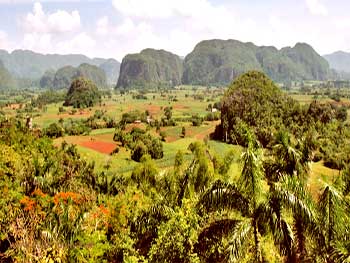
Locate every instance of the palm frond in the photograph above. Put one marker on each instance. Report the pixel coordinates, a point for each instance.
(223, 196)
(240, 236)
(292, 194)
(341, 252)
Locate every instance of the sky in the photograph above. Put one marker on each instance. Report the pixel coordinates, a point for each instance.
(114, 28)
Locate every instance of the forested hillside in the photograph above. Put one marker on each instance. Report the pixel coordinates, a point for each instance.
(150, 68)
(217, 62)
(63, 77)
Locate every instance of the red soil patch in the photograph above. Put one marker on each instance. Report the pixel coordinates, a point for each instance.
(341, 103)
(171, 139)
(207, 132)
(153, 109)
(14, 106)
(180, 107)
(99, 146)
(77, 114)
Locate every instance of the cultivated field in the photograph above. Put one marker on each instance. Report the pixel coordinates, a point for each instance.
(98, 145)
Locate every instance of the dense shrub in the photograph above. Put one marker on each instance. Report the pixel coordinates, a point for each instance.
(54, 131)
(82, 93)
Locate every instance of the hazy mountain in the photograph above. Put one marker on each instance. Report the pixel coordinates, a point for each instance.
(339, 61)
(220, 61)
(111, 67)
(150, 68)
(28, 64)
(6, 79)
(64, 76)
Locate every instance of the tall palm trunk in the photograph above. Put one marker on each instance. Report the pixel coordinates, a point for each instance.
(257, 250)
(301, 246)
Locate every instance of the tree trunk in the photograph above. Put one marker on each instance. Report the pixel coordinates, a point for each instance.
(258, 256)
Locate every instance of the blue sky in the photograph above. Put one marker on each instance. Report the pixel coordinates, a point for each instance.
(102, 28)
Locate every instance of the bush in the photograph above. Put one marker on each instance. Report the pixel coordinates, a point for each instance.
(54, 131)
(139, 150)
(82, 93)
(196, 120)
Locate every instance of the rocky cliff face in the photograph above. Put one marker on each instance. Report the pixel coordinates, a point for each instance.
(111, 67)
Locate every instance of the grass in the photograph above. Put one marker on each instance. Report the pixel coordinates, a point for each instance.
(222, 148)
(102, 131)
(319, 175)
(119, 104)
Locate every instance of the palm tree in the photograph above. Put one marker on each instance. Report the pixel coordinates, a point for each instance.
(334, 236)
(286, 159)
(262, 211)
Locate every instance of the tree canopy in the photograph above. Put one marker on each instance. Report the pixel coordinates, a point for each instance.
(82, 93)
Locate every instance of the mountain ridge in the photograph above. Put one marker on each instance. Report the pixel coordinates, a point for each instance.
(63, 77)
(339, 60)
(217, 62)
(22, 63)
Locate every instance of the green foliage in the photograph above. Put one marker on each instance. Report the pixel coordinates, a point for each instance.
(177, 238)
(54, 131)
(197, 120)
(140, 143)
(93, 73)
(132, 116)
(138, 151)
(214, 205)
(254, 99)
(145, 173)
(47, 79)
(82, 93)
(48, 97)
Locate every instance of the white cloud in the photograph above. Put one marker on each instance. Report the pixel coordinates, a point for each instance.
(342, 23)
(46, 1)
(316, 7)
(60, 21)
(160, 9)
(37, 42)
(102, 26)
(151, 9)
(4, 40)
(173, 25)
(81, 43)
(57, 32)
